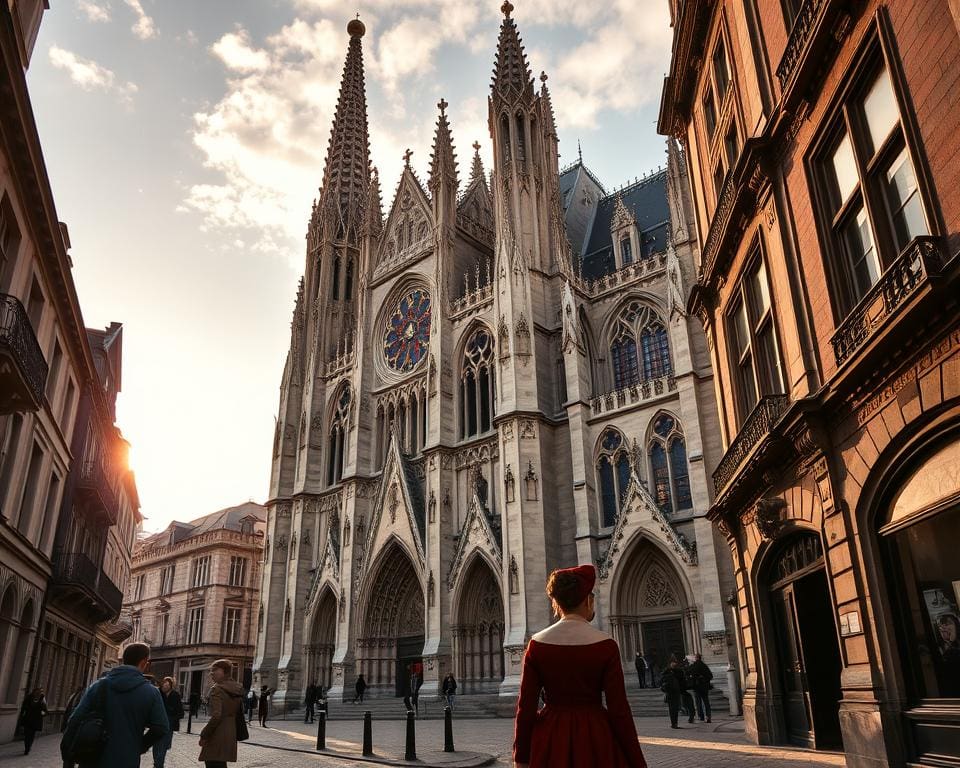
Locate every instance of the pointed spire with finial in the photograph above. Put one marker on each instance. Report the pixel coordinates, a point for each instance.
(546, 105)
(373, 217)
(476, 169)
(511, 71)
(443, 161)
(347, 165)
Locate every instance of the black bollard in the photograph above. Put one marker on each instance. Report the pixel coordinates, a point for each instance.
(189, 719)
(411, 753)
(447, 730)
(322, 730)
(367, 734)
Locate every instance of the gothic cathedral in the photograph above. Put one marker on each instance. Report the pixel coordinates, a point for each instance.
(493, 382)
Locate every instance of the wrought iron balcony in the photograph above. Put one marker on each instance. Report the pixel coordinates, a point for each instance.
(921, 258)
(23, 370)
(94, 484)
(757, 427)
(803, 28)
(77, 573)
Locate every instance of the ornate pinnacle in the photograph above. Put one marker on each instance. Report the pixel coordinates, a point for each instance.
(442, 104)
(510, 70)
(443, 162)
(506, 8)
(476, 170)
(406, 157)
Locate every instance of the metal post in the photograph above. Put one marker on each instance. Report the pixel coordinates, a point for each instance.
(189, 707)
(367, 734)
(447, 730)
(411, 753)
(322, 730)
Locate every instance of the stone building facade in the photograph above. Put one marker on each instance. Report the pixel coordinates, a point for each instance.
(496, 380)
(47, 369)
(194, 592)
(822, 141)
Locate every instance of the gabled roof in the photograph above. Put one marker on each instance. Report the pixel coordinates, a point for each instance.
(229, 518)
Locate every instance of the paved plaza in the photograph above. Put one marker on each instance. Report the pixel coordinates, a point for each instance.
(717, 745)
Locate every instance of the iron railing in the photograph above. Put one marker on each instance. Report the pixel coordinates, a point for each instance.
(77, 569)
(761, 420)
(94, 479)
(921, 258)
(18, 339)
(800, 34)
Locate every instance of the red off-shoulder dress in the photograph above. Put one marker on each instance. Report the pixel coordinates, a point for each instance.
(574, 729)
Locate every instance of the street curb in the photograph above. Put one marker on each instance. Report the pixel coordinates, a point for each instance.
(431, 760)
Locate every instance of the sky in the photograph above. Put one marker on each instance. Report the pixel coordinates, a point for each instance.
(185, 142)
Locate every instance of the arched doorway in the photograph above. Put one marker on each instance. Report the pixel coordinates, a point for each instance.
(478, 632)
(318, 654)
(391, 625)
(649, 610)
(807, 656)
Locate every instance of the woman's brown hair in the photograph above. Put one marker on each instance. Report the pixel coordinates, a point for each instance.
(563, 589)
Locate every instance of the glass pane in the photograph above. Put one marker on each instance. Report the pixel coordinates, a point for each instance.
(709, 114)
(608, 494)
(681, 476)
(748, 386)
(741, 332)
(720, 72)
(772, 381)
(732, 146)
(661, 478)
(844, 169)
(880, 111)
(929, 612)
(623, 475)
(903, 200)
(759, 293)
(864, 265)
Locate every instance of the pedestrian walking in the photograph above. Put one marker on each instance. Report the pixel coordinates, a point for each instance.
(576, 667)
(132, 713)
(218, 739)
(449, 689)
(32, 712)
(194, 704)
(309, 700)
(651, 660)
(641, 667)
(250, 702)
(686, 699)
(173, 706)
(264, 706)
(71, 704)
(673, 684)
(358, 689)
(699, 678)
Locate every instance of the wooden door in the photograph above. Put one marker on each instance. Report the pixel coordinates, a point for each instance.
(797, 709)
(662, 639)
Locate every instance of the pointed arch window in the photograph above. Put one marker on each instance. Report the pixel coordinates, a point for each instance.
(613, 474)
(337, 443)
(637, 321)
(626, 250)
(521, 139)
(669, 472)
(476, 384)
(335, 287)
(348, 289)
(505, 138)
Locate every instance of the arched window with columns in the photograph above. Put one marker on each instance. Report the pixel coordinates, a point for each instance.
(636, 321)
(477, 404)
(669, 472)
(613, 474)
(337, 443)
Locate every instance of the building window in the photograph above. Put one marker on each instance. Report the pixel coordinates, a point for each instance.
(238, 571)
(163, 620)
(138, 586)
(9, 241)
(201, 572)
(337, 442)
(135, 629)
(868, 189)
(166, 580)
(231, 626)
(476, 384)
(335, 284)
(626, 251)
(195, 626)
(669, 472)
(613, 474)
(753, 340)
(709, 113)
(721, 72)
(636, 320)
(731, 145)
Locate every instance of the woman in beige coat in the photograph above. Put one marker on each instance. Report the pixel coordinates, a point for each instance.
(218, 739)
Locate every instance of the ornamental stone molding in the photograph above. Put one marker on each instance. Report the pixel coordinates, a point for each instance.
(476, 533)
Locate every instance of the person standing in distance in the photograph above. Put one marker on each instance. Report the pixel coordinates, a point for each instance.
(575, 666)
(133, 711)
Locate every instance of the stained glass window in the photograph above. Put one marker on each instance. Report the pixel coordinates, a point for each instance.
(614, 469)
(608, 493)
(476, 384)
(407, 336)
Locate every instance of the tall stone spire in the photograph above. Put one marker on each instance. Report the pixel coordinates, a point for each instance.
(347, 168)
(476, 168)
(511, 73)
(443, 161)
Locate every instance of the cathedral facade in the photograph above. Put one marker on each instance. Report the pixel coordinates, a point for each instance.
(496, 380)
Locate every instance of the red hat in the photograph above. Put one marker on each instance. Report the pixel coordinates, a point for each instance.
(586, 575)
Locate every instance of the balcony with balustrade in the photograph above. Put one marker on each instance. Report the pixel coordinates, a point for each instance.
(82, 584)
(633, 394)
(751, 442)
(95, 489)
(23, 369)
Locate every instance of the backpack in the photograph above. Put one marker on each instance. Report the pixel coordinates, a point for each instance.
(86, 737)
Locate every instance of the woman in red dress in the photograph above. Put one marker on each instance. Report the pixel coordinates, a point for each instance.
(572, 663)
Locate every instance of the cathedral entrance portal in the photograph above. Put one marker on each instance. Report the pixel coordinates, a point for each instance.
(478, 633)
(391, 632)
(318, 653)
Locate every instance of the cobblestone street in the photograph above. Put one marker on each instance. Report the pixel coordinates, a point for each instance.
(717, 745)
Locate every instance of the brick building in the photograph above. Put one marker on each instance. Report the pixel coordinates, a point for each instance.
(822, 139)
(193, 594)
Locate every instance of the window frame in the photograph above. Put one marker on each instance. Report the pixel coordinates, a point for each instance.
(877, 51)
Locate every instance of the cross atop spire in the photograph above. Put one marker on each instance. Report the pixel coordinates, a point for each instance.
(443, 162)
(406, 157)
(476, 170)
(347, 168)
(510, 68)
(506, 8)
(442, 105)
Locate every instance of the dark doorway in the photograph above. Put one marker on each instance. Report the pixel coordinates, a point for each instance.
(808, 655)
(409, 653)
(662, 639)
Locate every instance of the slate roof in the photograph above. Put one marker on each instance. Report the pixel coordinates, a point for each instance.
(228, 518)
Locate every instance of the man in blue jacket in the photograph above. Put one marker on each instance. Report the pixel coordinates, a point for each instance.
(135, 717)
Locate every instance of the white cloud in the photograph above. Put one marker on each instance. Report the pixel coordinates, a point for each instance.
(143, 27)
(235, 51)
(90, 75)
(94, 11)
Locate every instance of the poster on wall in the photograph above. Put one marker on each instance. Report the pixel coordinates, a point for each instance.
(941, 603)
